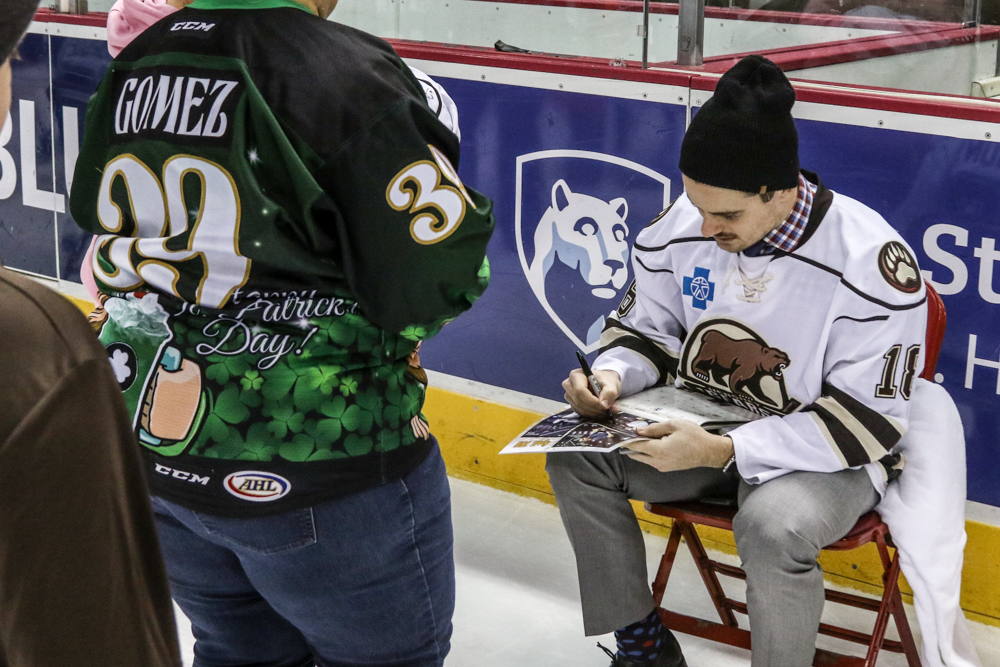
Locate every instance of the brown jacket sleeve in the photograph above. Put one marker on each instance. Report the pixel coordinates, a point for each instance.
(81, 578)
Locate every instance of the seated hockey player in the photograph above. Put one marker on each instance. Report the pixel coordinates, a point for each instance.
(761, 287)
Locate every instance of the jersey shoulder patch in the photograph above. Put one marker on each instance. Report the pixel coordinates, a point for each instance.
(679, 221)
(662, 214)
(871, 258)
(628, 302)
(898, 267)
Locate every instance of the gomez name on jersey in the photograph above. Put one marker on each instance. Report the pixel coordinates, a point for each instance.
(164, 101)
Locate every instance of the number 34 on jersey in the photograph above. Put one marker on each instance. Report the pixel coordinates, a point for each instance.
(437, 209)
(162, 230)
(190, 249)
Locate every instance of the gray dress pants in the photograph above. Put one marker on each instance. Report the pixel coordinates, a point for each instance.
(780, 528)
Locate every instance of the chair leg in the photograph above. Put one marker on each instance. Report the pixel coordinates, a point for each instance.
(708, 575)
(890, 579)
(902, 623)
(666, 564)
(905, 635)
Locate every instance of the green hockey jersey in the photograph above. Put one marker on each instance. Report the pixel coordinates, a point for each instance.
(280, 222)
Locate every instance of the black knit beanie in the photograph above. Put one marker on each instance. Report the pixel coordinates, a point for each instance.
(15, 15)
(744, 138)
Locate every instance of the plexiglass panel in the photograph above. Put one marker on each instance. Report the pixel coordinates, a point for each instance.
(919, 46)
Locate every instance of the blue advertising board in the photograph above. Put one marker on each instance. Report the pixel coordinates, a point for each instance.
(574, 178)
(27, 202)
(77, 68)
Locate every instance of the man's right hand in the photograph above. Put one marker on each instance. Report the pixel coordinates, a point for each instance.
(583, 401)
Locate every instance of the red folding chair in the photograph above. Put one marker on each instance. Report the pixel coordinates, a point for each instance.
(869, 528)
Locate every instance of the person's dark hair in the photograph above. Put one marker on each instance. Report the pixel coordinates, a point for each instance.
(765, 197)
(15, 15)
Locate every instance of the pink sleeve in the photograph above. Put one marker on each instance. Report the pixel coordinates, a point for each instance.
(129, 18)
(87, 273)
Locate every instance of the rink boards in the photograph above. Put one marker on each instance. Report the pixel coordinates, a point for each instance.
(541, 132)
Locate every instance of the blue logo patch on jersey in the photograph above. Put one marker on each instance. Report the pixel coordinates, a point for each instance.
(699, 288)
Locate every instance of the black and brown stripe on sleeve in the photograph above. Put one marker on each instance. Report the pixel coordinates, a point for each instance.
(657, 355)
(856, 433)
(892, 465)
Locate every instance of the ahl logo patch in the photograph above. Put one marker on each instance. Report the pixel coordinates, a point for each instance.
(256, 486)
(898, 267)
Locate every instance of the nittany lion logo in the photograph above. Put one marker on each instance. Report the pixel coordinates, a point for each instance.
(586, 234)
(729, 361)
(574, 227)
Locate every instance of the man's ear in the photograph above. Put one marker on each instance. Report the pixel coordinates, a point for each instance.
(786, 197)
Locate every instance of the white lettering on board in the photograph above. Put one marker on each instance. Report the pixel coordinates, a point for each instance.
(8, 170)
(986, 252)
(972, 361)
(31, 194)
(960, 274)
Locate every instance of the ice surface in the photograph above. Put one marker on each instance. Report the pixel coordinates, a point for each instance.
(518, 602)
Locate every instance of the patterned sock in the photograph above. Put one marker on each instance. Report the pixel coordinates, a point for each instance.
(643, 640)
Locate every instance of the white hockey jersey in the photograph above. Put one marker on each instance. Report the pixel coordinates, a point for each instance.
(826, 340)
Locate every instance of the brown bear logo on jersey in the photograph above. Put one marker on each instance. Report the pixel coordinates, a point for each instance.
(729, 361)
(745, 361)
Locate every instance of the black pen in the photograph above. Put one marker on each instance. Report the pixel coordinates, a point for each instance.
(595, 384)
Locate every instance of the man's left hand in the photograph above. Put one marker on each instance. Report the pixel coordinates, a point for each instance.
(680, 445)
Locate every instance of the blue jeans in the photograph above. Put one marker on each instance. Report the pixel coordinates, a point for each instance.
(368, 579)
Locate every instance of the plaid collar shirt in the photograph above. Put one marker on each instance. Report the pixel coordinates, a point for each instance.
(786, 237)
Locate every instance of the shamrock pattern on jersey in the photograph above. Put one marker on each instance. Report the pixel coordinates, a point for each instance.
(345, 393)
(282, 376)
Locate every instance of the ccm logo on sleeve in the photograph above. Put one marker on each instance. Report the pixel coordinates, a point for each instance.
(256, 486)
